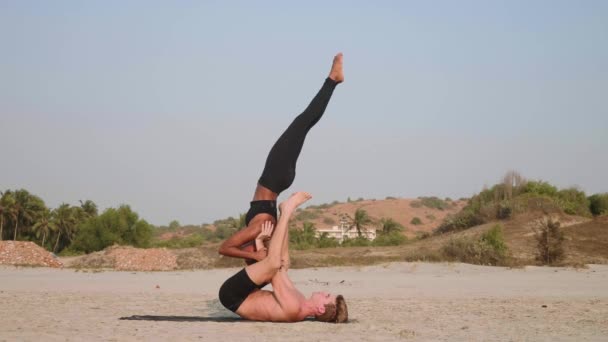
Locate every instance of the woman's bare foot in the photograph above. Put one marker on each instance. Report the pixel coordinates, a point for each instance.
(294, 201)
(336, 73)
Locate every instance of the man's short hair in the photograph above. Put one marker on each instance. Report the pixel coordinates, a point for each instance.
(335, 313)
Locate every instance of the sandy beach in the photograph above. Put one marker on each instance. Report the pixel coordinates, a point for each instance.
(396, 301)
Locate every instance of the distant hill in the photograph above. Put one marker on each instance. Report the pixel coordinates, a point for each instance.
(431, 211)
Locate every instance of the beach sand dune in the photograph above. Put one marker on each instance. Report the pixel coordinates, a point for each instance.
(397, 301)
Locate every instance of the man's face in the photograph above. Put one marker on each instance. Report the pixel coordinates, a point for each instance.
(322, 298)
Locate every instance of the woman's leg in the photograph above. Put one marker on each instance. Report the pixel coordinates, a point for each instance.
(280, 169)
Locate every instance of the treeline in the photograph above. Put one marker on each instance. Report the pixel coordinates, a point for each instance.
(69, 229)
(193, 236)
(517, 195)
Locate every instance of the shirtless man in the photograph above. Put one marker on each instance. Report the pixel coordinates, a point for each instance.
(243, 295)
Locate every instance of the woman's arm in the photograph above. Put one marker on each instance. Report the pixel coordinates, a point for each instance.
(232, 246)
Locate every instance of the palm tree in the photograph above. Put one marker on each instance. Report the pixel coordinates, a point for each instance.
(65, 220)
(11, 209)
(27, 207)
(6, 204)
(89, 207)
(44, 225)
(361, 220)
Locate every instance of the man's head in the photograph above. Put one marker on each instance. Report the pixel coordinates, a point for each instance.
(330, 308)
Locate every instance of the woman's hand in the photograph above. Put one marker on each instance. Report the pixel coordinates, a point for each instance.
(260, 254)
(264, 236)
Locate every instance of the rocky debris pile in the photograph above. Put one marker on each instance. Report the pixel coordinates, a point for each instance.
(137, 259)
(26, 253)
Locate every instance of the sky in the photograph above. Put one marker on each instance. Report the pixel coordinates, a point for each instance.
(172, 106)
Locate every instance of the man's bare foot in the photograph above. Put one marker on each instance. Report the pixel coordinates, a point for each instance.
(294, 201)
(336, 73)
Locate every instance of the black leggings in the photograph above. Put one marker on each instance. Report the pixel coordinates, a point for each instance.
(280, 169)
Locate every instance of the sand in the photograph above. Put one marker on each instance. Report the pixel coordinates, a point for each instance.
(398, 301)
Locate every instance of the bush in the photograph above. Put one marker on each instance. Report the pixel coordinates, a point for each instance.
(489, 249)
(393, 238)
(550, 242)
(175, 242)
(598, 204)
(574, 202)
(504, 210)
(356, 242)
(464, 219)
(115, 226)
(539, 188)
(324, 241)
(495, 238)
(434, 203)
(416, 221)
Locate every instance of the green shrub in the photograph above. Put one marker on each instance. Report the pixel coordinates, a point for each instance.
(394, 238)
(464, 219)
(431, 217)
(174, 224)
(574, 202)
(434, 203)
(416, 221)
(324, 241)
(539, 188)
(598, 204)
(489, 249)
(495, 238)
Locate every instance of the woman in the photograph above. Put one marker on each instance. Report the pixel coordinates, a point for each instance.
(279, 173)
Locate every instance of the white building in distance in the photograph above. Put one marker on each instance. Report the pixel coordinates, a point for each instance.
(345, 229)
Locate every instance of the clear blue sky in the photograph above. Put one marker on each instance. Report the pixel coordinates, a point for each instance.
(171, 107)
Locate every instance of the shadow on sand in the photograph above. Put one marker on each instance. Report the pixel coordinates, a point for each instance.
(181, 318)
